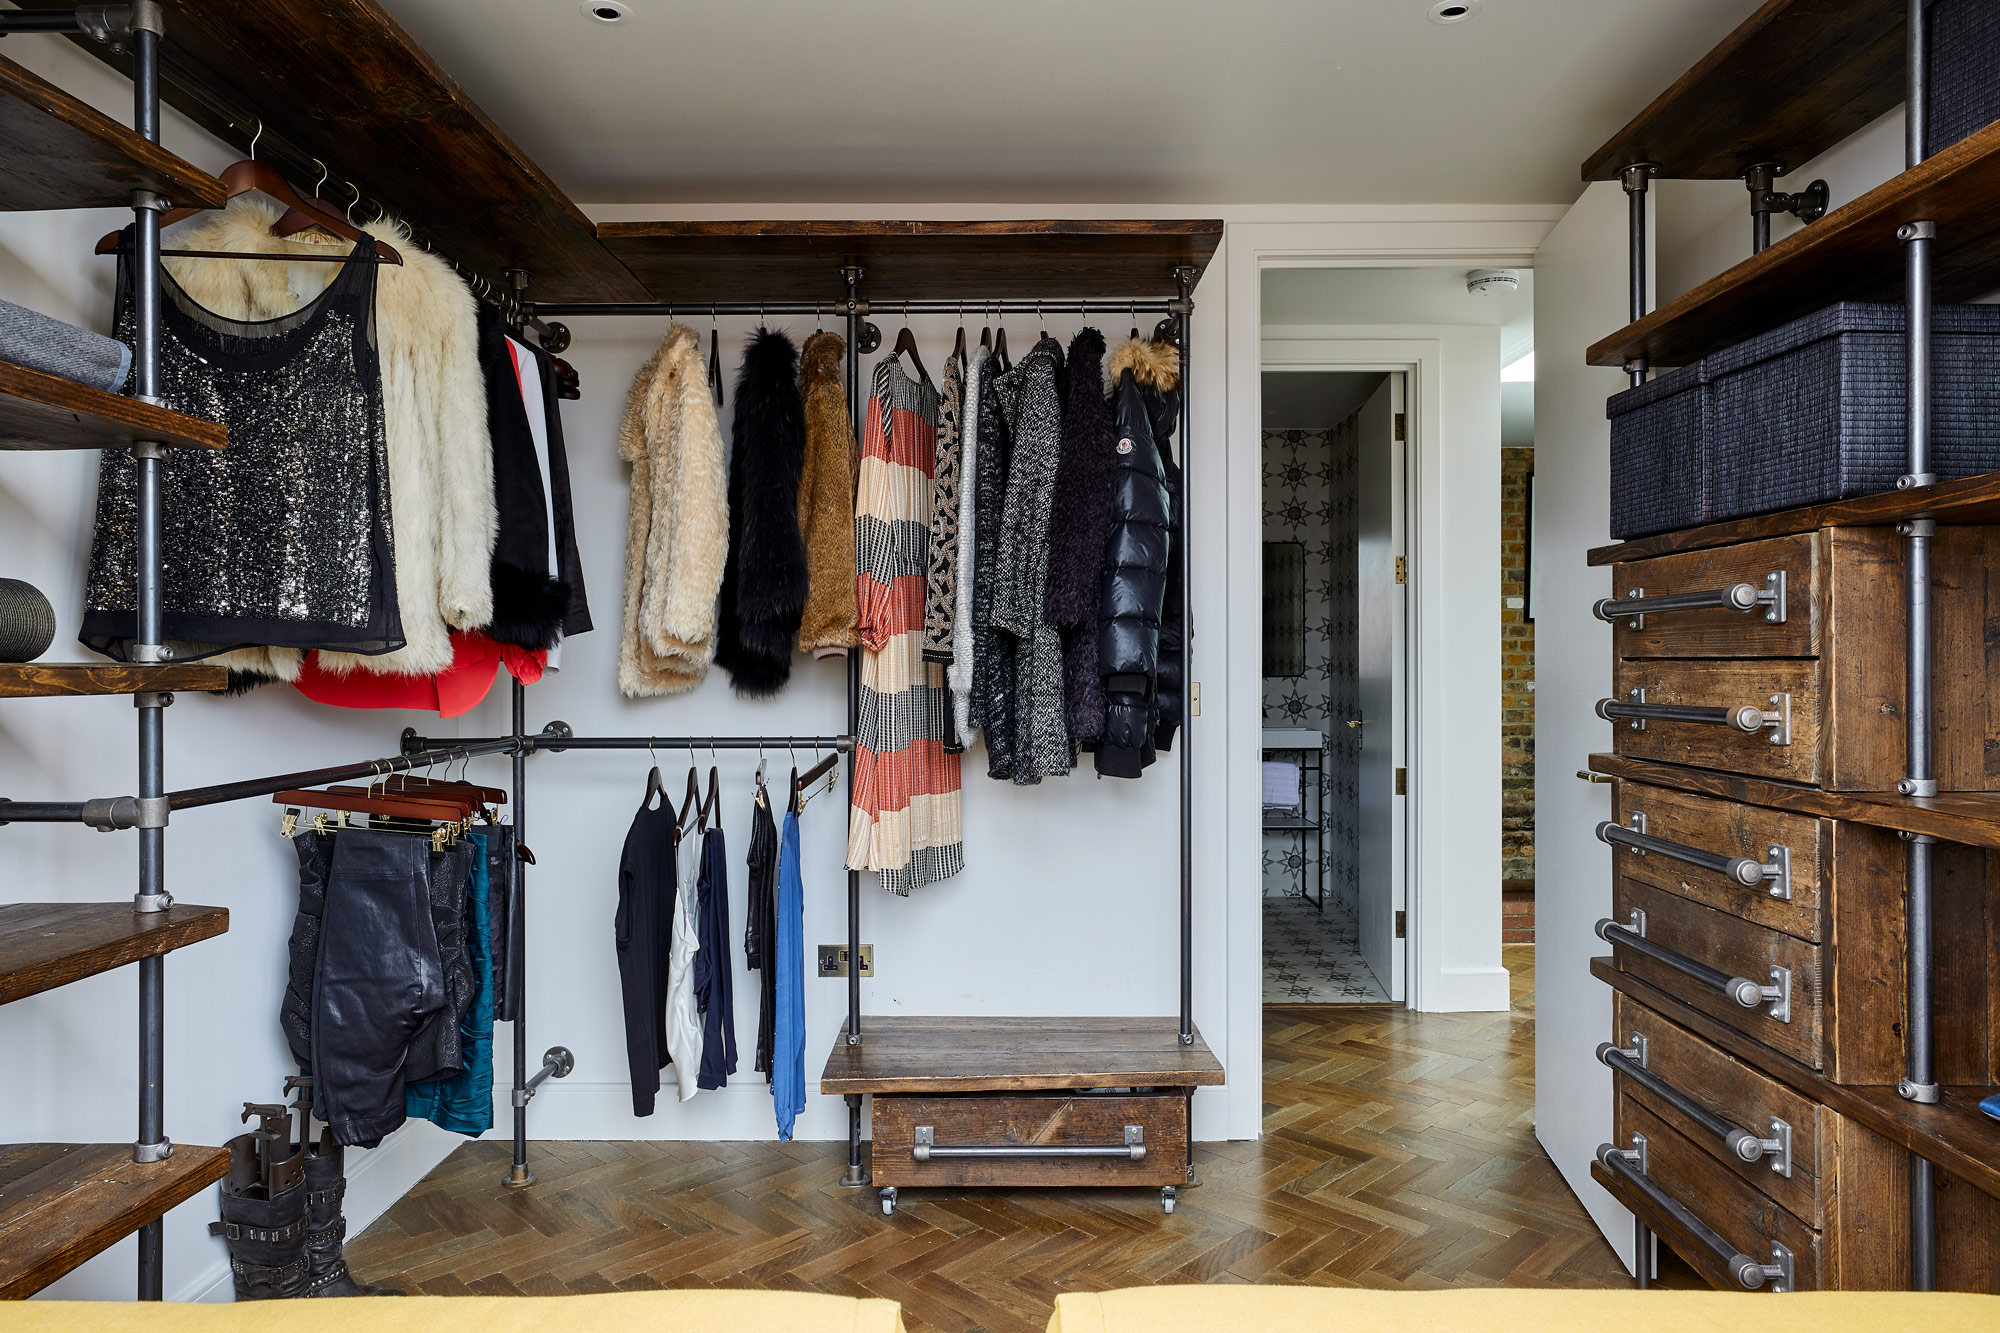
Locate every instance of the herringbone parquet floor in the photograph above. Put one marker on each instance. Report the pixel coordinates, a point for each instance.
(1397, 1152)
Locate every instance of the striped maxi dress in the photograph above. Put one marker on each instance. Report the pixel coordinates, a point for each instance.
(905, 820)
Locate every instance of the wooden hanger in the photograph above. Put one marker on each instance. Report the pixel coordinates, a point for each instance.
(715, 361)
(1000, 357)
(711, 807)
(906, 345)
(250, 174)
(958, 348)
(801, 782)
(690, 801)
(354, 802)
(655, 785)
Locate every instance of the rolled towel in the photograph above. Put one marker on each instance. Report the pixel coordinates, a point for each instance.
(32, 339)
(1281, 785)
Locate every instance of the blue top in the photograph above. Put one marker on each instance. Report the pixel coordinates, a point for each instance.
(464, 1102)
(788, 1054)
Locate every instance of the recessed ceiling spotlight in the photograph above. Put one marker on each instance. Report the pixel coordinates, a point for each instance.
(606, 11)
(1454, 11)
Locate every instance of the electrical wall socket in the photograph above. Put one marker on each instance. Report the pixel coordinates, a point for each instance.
(833, 960)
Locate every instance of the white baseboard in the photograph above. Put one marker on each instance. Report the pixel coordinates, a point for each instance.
(1468, 990)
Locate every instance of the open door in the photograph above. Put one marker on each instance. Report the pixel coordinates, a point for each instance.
(1383, 614)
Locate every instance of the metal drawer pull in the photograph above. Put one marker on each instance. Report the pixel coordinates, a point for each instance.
(1744, 717)
(1778, 994)
(1630, 1163)
(1745, 870)
(1747, 1147)
(1635, 606)
(926, 1148)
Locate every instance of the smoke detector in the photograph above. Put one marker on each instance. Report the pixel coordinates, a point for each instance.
(1493, 281)
(1454, 11)
(606, 11)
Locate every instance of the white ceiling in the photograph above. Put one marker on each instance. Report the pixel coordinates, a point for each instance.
(1399, 296)
(1315, 399)
(1103, 101)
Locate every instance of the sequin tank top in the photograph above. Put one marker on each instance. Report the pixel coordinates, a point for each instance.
(282, 538)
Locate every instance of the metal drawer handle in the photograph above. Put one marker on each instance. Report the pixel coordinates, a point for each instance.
(1630, 1163)
(1740, 989)
(1746, 1146)
(926, 1148)
(1635, 606)
(1744, 717)
(1745, 870)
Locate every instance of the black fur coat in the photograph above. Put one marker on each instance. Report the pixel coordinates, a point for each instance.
(764, 584)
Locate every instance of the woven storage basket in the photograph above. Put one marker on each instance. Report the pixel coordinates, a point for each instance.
(1659, 454)
(1965, 70)
(1817, 410)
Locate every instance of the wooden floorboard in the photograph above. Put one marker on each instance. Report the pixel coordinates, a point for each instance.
(1398, 1153)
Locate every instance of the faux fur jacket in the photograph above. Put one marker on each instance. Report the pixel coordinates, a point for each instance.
(1078, 528)
(764, 585)
(434, 399)
(826, 502)
(677, 524)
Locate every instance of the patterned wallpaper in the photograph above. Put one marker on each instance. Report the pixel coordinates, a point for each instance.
(1310, 481)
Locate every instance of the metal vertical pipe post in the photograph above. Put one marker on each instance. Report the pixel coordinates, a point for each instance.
(1184, 319)
(1637, 179)
(519, 1176)
(855, 1176)
(1642, 1253)
(1920, 1081)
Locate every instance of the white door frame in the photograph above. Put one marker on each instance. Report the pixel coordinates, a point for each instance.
(1368, 238)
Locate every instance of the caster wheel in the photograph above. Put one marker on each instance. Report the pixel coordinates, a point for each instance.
(1167, 1198)
(889, 1202)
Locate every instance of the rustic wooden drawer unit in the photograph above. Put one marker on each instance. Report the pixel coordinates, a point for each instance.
(1789, 654)
(1049, 1138)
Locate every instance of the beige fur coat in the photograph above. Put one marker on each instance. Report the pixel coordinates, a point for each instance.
(677, 524)
(826, 502)
(441, 509)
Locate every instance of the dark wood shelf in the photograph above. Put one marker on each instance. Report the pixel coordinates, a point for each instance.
(40, 411)
(62, 153)
(900, 1054)
(700, 262)
(61, 1203)
(1967, 500)
(45, 945)
(341, 80)
(1851, 254)
(42, 680)
(1969, 818)
(1793, 80)
(1954, 1134)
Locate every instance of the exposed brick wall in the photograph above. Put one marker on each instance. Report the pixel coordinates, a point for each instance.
(1517, 704)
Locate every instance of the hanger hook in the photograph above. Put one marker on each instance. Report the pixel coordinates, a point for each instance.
(652, 752)
(255, 137)
(349, 211)
(712, 319)
(323, 174)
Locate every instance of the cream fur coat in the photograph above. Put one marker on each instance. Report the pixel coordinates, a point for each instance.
(441, 508)
(677, 525)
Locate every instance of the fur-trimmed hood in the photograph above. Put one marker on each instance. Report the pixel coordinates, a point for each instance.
(1155, 365)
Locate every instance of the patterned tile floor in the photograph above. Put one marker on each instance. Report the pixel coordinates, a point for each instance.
(1310, 958)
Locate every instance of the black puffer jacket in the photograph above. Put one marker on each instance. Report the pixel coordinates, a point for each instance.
(1138, 559)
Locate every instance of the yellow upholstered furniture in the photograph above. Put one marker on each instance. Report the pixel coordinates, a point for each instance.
(614, 1312)
(1247, 1309)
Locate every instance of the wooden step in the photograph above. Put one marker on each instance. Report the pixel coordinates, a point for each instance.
(904, 1054)
(1851, 254)
(1793, 80)
(40, 680)
(40, 411)
(58, 152)
(45, 945)
(61, 1203)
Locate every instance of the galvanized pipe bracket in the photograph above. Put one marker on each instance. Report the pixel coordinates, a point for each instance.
(146, 1153)
(1925, 1094)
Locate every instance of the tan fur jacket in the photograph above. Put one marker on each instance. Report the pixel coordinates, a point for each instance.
(677, 525)
(826, 502)
(441, 509)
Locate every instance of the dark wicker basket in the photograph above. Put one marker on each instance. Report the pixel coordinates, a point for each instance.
(1817, 410)
(1659, 454)
(1964, 70)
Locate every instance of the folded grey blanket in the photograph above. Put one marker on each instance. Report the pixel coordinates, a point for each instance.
(32, 339)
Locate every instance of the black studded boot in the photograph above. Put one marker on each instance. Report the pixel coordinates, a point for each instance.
(326, 1229)
(267, 1242)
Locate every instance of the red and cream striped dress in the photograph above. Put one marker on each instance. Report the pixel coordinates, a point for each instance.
(905, 821)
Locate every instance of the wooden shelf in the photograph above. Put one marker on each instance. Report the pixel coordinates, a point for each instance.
(61, 153)
(1968, 818)
(1793, 80)
(1850, 254)
(1017, 1055)
(1954, 1134)
(700, 262)
(1967, 500)
(341, 80)
(40, 411)
(61, 1203)
(45, 945)
(40, 680)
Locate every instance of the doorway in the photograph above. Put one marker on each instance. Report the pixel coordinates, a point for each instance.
(1334, 627)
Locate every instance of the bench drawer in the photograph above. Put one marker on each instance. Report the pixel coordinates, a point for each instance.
(1039, 1135)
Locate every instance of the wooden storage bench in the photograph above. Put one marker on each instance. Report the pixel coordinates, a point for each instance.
(1024, 1102)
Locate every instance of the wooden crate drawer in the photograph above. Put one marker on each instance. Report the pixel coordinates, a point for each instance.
(1730, 946)
(1801, 752)
(1029, 1121)
(1791, 903)
(1787, 565)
